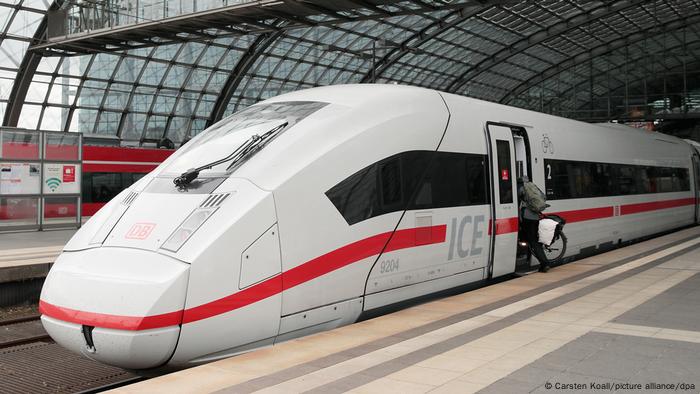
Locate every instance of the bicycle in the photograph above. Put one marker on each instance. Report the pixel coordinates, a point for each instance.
(553, 252)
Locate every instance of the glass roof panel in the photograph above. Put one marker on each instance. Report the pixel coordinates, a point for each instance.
(129, 70)
(495, 52)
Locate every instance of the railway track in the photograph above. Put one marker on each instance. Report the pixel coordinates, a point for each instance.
(7, 322)
(31, 362)
(111, 386)
(22, 330)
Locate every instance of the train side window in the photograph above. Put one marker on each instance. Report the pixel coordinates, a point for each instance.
(129, 178)
(566, 179)
(671, 180)
(390, 180)
(602, 180)
(431, 179)
(444, 184)
(683, 179)
(505, 184)
(86, 192)
(126, 180)
(477, 179)
(356, 197)
(452, 180)
(625, 180)
(415, 177)
(655, 180)
(431, 185)
(557, 179)
(100, 187)
(105, 186)
(449, 174)
(581, 180)
(135, 177)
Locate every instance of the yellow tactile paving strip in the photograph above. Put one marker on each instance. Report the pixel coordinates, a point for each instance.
(475, 354)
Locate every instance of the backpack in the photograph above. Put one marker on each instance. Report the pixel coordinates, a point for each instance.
(534, 198)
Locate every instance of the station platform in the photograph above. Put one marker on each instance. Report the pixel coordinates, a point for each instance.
(29, 255)
(627, 317)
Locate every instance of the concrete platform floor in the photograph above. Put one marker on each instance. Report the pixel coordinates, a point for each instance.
(627, 317)
(29, 255)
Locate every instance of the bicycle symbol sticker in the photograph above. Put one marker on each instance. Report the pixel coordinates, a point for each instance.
(547, 144)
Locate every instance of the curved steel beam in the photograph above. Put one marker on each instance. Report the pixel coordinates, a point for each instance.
(632, 63)
(25, 74)
(599, 50)
(636, 82)
(426, 34)
(540, 36)
(238, 73)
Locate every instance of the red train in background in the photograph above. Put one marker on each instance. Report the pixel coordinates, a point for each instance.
(109, 170)
(106, 171)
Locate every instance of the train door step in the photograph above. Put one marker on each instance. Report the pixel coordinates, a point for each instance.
(526, 273)
(523, 266)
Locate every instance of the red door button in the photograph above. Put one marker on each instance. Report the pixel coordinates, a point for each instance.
(505, 175)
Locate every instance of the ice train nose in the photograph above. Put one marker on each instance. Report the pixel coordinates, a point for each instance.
(118, 306)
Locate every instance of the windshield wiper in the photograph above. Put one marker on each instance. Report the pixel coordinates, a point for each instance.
(253, 144)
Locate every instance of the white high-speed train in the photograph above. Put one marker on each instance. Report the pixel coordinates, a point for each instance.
(331, 202)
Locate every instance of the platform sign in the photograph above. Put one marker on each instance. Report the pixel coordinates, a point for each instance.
(40, 179)
(20, 178)
(61, 178)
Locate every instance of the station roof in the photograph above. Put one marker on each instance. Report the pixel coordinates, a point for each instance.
(170, 68)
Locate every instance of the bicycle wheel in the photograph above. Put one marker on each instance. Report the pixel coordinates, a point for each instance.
(554, 252)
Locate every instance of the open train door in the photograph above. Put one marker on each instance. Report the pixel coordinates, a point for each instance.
(503, 227)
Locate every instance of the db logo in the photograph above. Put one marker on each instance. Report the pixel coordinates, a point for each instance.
(140, 231)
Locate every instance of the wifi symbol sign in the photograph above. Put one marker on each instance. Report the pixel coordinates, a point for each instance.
(53, 183)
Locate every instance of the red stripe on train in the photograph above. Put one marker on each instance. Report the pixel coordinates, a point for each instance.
(103, 167)
(253, 294)
(505, 226)
(322, 265)
(91, 208)
(582, 215)
(346, 255)
(29, 151)
(131, 323)
(655, 205)
(113, 153)
(317, 267)
(509, 225)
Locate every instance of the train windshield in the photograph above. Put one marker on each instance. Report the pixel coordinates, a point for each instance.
(224, 137)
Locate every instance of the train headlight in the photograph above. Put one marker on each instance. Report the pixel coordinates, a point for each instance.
(187, 228)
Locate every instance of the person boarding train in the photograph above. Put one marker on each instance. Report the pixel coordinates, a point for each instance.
(532, 203)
